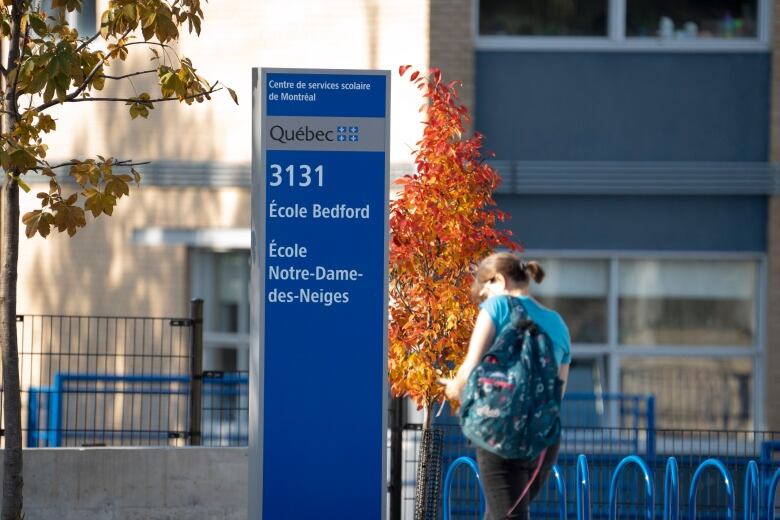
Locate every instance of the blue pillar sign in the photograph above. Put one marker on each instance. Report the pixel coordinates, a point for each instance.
(319, 294)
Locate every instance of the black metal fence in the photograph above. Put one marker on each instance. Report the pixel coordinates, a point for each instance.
(111, 381)
(605, 448)
(129, 381)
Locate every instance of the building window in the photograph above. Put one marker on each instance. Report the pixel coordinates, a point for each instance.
(692, 18)
(687, 302)
(221, 279)
(578, 290)
(699, 393)
(680, 328)
(655, 25)
(544, 17)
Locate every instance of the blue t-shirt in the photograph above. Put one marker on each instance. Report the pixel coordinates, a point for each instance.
(550, 321)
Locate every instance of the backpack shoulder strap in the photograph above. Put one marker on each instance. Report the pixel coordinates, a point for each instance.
(512, 330)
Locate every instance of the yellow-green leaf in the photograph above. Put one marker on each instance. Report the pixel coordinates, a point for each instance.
(22, 184)
(38, 25)
(69, 218)
(233, 95)
(37, 221)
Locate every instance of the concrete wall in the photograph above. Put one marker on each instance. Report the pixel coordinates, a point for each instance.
(135, 484)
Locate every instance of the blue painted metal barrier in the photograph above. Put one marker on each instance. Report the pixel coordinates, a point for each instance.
(45, 404)
(671, 490)
(751, 504)
(649, 493)
(695, 480)
(583, 489)
(671, 499)
(54, 434)
(770, 499)
(560, 484)
(468, 461)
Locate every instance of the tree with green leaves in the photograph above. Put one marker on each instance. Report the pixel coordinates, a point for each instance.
(49, 64)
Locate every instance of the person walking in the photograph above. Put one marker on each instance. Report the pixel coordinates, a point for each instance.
(503, 281)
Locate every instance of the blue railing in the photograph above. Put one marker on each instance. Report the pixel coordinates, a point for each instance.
(650, 495)
(671, 490)
(751, 508)
(583, 489)
(711, 463)
(46, 408)
(466, 461)
(560, 486)
(771, 492)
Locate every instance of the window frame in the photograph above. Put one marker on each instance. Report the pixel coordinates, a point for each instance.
(615, 352)
(199, 260)
(616, 39)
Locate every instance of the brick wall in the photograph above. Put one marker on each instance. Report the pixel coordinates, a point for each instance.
(100, 271)
(452, 44)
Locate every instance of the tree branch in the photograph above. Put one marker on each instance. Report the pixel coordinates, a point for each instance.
(164, 46)
(82, 87)
(87, 42)
(129, 75)
(124, 164)
(128, 100)
(15, 56)
(165, 49)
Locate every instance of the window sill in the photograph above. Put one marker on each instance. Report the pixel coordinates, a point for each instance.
(604, 44)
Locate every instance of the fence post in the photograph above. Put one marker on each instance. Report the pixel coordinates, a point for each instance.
(650, 428)
(196, 370)
(396, 455)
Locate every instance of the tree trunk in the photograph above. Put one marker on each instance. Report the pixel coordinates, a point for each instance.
(428, 485)
(12, 403)
(9, 257)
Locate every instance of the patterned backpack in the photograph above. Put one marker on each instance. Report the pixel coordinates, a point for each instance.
(512, 400)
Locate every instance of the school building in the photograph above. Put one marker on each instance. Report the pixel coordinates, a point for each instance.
(638, 143)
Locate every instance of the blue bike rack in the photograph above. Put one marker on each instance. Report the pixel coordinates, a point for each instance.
(695, 480)
(671, 500)
(671, 490)
(583, 489)
(770, 499)
(560, 485)
(751, 503)
(468, 461)
(649, 505)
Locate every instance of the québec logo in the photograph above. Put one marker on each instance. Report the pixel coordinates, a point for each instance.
(304, 134)
(348, 134)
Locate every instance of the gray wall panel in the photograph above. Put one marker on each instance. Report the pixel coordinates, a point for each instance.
(624, 106)
(665, 223)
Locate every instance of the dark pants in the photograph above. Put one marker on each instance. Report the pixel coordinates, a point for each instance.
(504, 479)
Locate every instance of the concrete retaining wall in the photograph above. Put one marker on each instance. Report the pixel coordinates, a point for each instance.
(135, 483)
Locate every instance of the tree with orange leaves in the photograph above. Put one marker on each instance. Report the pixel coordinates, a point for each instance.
(442, 222)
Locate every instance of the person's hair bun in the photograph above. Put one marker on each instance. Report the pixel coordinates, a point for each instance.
(535, 271)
